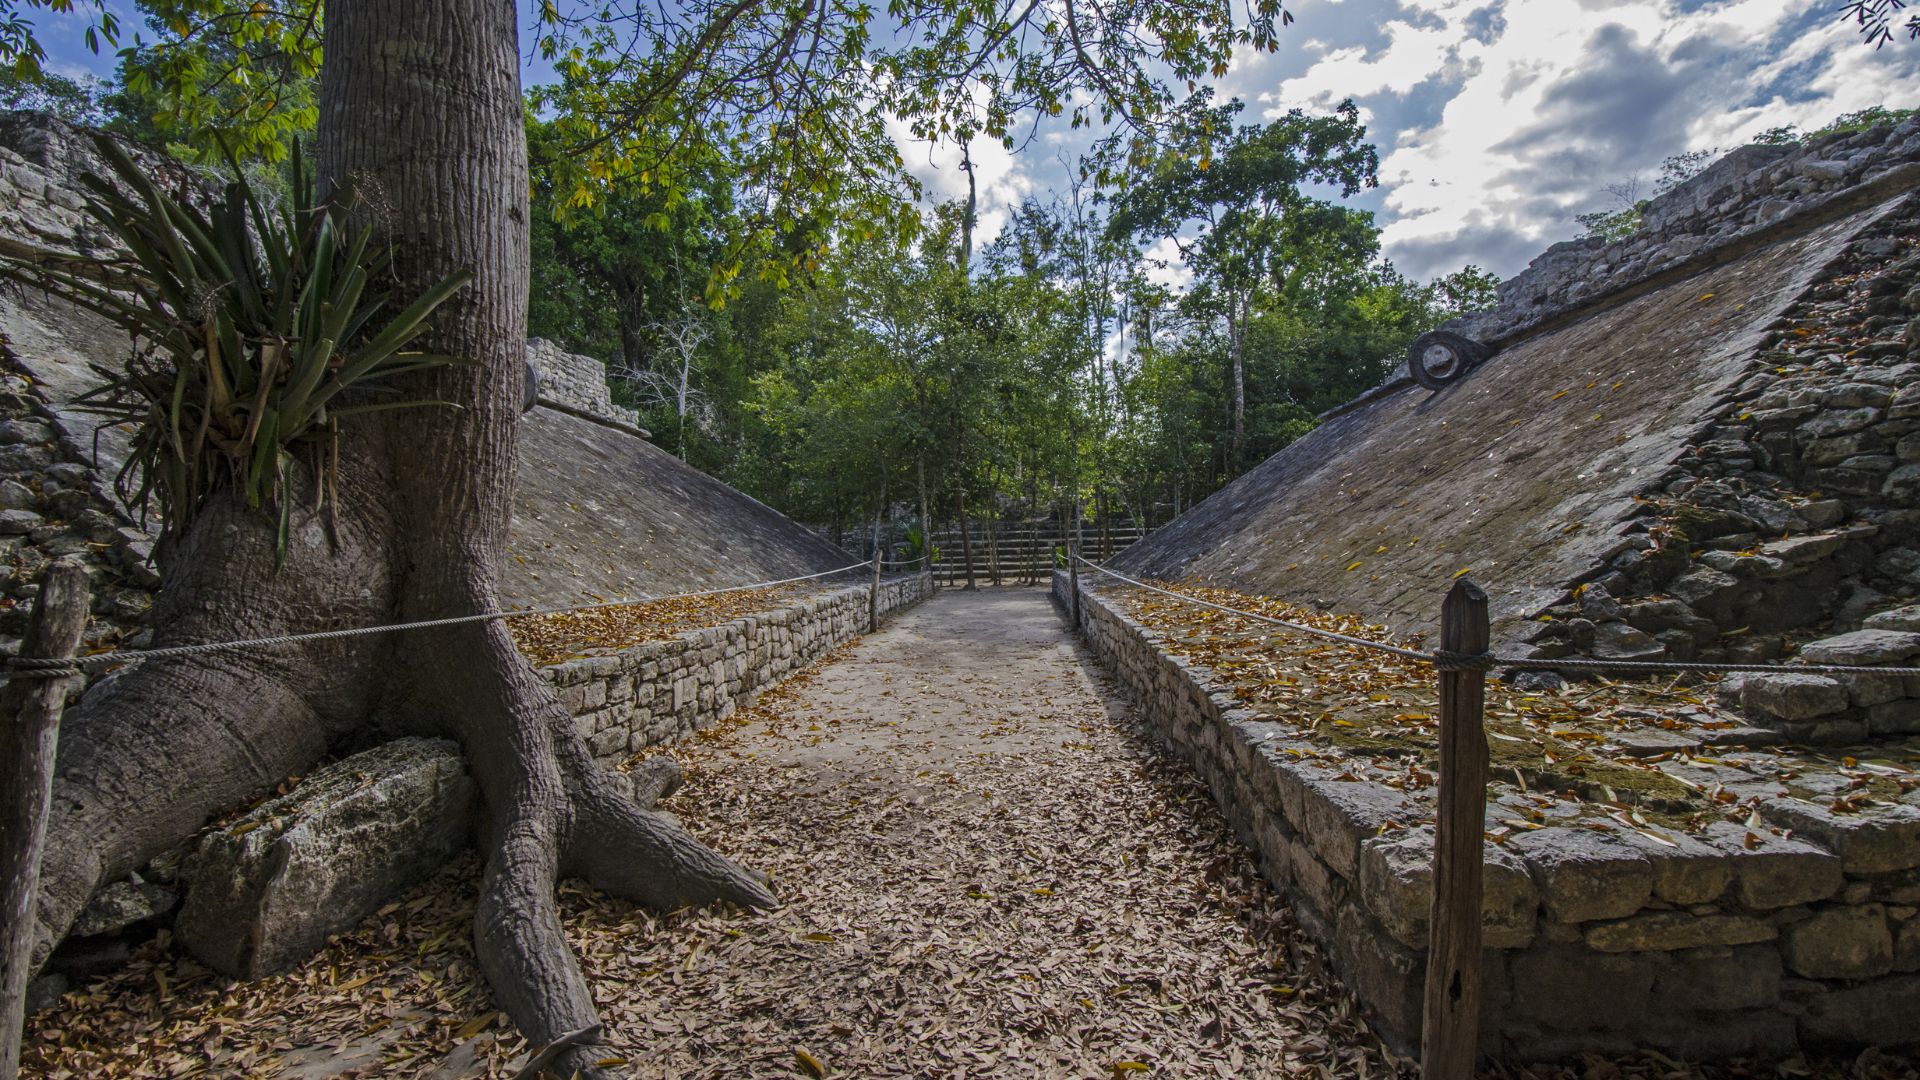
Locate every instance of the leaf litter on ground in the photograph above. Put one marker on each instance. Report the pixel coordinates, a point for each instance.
(988, 871)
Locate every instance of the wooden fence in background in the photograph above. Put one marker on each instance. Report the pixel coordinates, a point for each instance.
(1023, 551)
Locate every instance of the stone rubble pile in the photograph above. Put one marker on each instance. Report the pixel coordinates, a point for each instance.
(52, 506)
(1795, 511)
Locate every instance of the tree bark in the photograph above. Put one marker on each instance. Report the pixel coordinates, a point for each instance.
(420, 112)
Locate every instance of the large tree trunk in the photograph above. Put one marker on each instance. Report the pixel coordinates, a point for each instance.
(420, 112)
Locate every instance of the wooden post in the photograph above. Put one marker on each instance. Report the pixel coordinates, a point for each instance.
(1453, 945)
(873, 594)
(1073, 582)
(29, 731)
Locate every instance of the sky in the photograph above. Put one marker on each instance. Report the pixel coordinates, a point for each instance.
(1497, 121)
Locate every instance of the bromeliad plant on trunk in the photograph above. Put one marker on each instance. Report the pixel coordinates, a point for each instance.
(256, 332)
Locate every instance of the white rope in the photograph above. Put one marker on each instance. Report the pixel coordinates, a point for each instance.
(23, 667)
(1396, 650)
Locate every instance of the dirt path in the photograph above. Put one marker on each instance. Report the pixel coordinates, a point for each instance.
(986, 872)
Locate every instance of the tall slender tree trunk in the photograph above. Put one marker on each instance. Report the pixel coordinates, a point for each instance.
(973, 200)
(1237, 347)
(993, 543)
(926, 515)
(1102, 511)
(966, 538)
(420, 111)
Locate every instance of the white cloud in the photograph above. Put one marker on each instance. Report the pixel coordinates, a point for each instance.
(1166, 266)
(1498, 121)
(1001, 178)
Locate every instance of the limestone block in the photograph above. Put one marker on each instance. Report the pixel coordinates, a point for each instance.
(1840, 421)
(1798, 550)
(1863, 647)
(1567, 986)
(268, 890)
(1793, 697)
(1387, 976)
(1839, 943)
(1339, 815)
(1878, 1013)
(1872, 841)
(1688, 872)
(1618, 641)
(121, 904)
(1396, 881)
(1895, 717)
(1712, 593)
(1584, 875)
(1869, 690)
(1906, 945)
(1775, 871)
(1669, 930)
(1720, 978)
(1905, 618)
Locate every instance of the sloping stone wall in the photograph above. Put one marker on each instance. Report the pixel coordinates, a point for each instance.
(664, 690)
(1731, 942)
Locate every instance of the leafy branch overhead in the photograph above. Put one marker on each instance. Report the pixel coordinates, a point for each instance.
(256, 332)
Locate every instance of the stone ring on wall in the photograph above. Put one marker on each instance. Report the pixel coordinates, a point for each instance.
(1440, 357)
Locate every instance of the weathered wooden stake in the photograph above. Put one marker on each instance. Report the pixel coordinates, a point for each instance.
(1453, 943)
(873, 594)
(29, 730)
(1073, 581)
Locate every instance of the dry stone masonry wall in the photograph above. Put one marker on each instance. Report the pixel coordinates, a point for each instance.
(575, 382)
(658, 692)
(1735, 941)
(52, 506)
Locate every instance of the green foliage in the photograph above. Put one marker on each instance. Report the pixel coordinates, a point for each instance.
(917, 547)
(220, 78)
(211, 79)
(1626, 219)
(1875, 20)
(20, 47)
(72, 100)
(1612, 225)
(1463, 292)
(1844, 124)
(260, 330)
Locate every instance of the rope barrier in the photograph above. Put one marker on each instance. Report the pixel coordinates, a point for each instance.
(25, 667)
(1451, 661)
(1410, 654)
